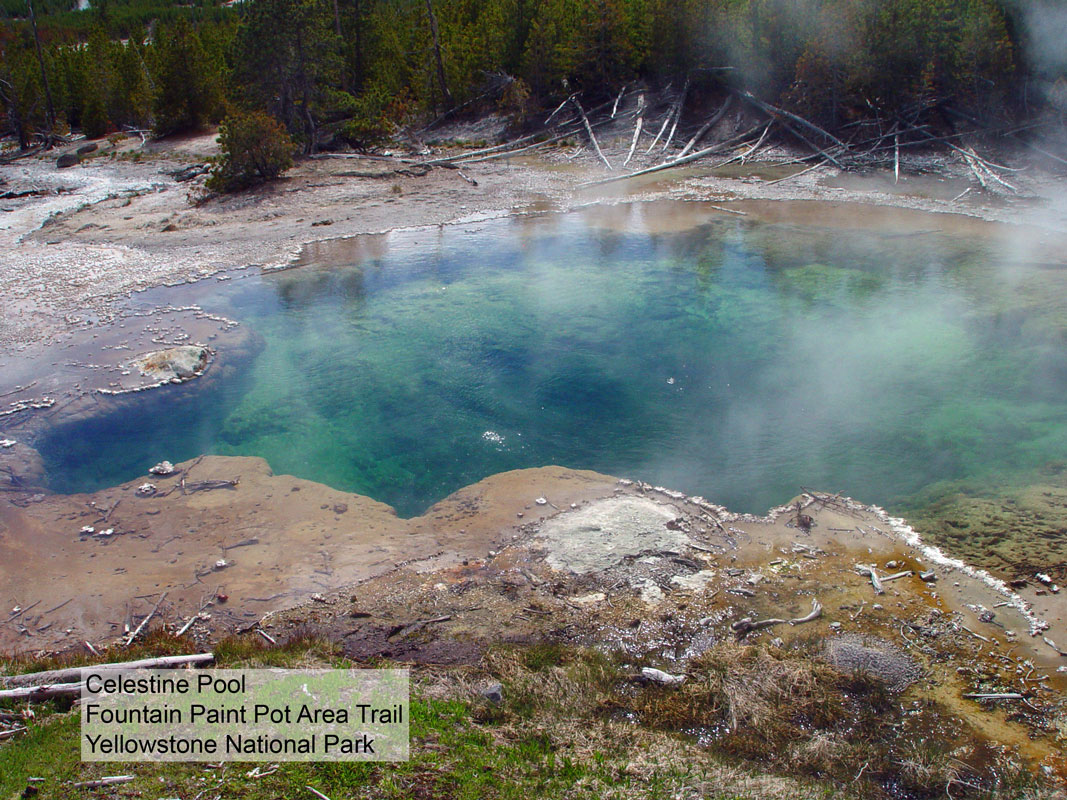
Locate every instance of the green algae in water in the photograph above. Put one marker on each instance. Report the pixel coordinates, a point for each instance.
(737, 360)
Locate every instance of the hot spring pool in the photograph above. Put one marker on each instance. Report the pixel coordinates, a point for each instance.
(732, 358)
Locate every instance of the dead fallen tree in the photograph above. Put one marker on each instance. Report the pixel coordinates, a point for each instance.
(38, 694)
(707, 126)
(677, 162)
(589, 130)
(73, 674)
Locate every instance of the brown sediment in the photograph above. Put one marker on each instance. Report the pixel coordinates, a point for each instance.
(305, 538)
(269, 542)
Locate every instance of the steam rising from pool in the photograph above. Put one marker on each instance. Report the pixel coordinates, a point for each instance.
(737, 360)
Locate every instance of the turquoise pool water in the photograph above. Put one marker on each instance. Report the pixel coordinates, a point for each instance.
(736, 359)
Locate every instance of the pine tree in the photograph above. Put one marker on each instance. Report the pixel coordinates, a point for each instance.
(288, 61)
(188, 83)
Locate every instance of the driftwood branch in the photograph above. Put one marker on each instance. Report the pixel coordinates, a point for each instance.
(747, 625)
(401, 631)
(137, 631)
(108, 781)
(873, 574)
(995, 696)
(816, 612)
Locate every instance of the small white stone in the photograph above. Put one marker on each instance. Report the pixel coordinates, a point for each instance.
(541, 501)
(590, 599)
(222, 563)
(88, 529)
(5, 443)
(659, 676)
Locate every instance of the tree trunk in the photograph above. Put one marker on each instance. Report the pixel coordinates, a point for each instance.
(437, 52)
(44, 75)
(305, 99)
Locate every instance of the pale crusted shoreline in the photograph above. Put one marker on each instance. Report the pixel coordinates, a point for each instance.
(124, 224)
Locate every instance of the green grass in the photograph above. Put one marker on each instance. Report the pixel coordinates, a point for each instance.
(548, 739)
(452, 756)
(557, 734)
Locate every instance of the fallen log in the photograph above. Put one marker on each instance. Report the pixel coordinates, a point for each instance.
(559, 108)
(774, 111)
(662, 128)
(795, 174)
(206, 486)
(38, 694)
(707, 126)
(74, 673)
(677, 116)
(819, 150)
(509, 148)
(677, 162)
(633, 144)
(589, 130)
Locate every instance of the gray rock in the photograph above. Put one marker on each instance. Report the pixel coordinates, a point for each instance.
(175, 364)
(190, 172)
(929, 577)
(494, 693)
(85, 149)
(66, 160)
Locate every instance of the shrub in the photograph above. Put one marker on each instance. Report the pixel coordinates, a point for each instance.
(255, 148)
